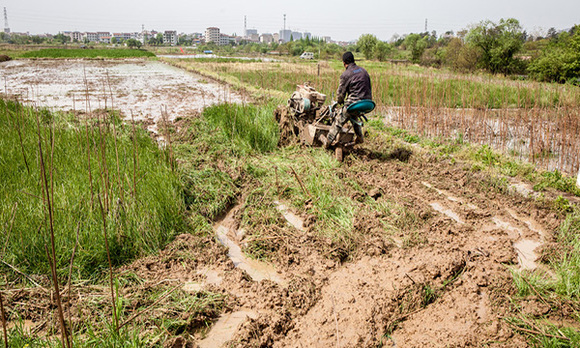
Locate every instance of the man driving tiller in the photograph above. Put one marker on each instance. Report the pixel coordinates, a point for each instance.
(355, 85)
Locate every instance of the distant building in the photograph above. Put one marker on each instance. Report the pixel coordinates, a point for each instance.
(285, 35)
(212, 34)
(90, 37)
(225, 40)
(122, 36)
(249, 32)
(307, 35)
(104, 34)
(296, 35)
(74, 35)
(254, 38)
(276, 37)
(266, 38)
(326, 39)
(170, 37)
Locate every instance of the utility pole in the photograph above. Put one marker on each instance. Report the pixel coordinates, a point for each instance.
(6, 27)
(245, 27)
(426, 25)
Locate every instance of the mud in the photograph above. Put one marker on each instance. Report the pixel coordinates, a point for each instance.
(228, 234)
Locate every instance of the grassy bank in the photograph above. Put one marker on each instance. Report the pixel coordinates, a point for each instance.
(87, 53)
(99, 172)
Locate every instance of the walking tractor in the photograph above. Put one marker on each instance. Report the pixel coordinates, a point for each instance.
(307, 118)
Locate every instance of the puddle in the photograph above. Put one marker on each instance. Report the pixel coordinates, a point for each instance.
(523, 247)
(531, 223)
(256, 270)
(448, 212)
(225, 328)
(212, 277)
(292, 218)
(449, 196)
(526, 255)
(513, 232)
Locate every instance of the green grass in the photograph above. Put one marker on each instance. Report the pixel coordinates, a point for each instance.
(87, 53)
(143, 204)
(396, 85)
(250, 128)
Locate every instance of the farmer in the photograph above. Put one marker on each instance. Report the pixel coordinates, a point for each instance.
(355, 85)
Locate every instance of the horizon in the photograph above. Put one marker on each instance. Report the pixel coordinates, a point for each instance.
(385, 21)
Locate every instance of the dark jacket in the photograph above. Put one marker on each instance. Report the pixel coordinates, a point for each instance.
(354, 82)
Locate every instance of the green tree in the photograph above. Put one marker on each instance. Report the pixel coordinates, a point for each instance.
(366, 44)
(498, 44)
(560, 60)
(382, 50)
(132, 43)
(417, 45)
(61, 38)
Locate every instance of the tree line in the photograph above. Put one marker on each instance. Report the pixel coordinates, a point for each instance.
(497, 47)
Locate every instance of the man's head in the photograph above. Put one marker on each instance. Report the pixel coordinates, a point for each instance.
(347, 58)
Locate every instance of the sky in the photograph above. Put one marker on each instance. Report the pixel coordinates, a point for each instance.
(340, 19)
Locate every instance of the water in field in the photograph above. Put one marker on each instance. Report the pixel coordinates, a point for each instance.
(145, 89)
(545, 137)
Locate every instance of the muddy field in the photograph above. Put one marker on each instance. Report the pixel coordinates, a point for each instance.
(144, 89)
(444, 279)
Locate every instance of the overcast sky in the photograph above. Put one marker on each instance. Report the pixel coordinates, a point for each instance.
(339, 19)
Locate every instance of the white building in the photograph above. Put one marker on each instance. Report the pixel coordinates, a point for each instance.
(90, 37)
(74, 35)
(170, 37)
(104, 34)
(225, 40)
(212, 34)
(266, 38)
(276, 37)
(254, 38)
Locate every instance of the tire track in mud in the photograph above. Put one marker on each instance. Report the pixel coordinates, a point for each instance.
(473, 238)
(443, 290)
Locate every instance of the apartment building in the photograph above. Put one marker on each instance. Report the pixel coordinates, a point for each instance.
(90, 37)
(212, 34)
(266, 38)
(170, 37)
(225, 40)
